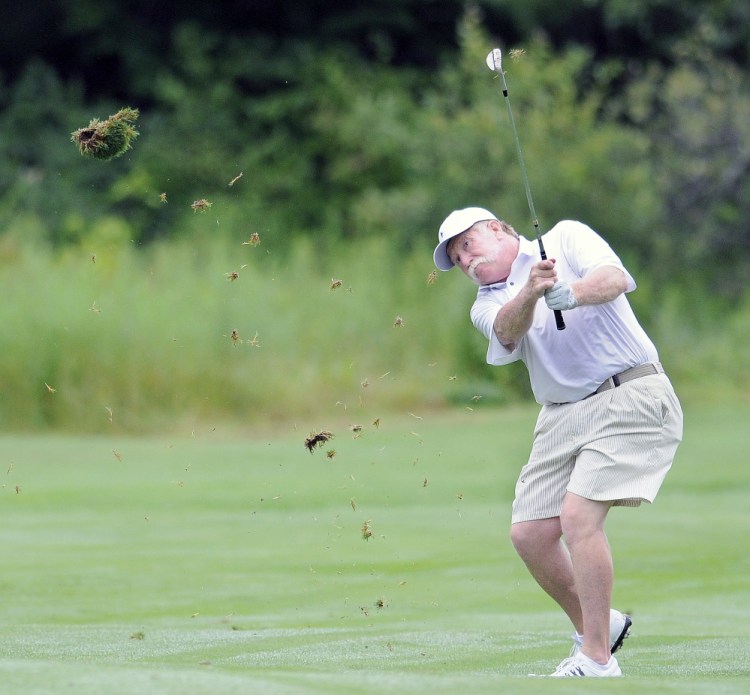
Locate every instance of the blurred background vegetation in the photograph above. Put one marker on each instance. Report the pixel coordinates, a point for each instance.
(355, 132)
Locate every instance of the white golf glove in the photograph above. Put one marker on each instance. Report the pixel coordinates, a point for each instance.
(560, 297)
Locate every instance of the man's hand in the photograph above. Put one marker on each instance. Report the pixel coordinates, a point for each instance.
(541, 278)
(560, 297)
(514, 319)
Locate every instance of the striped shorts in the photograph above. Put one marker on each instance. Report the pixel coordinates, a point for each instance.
(616, 446)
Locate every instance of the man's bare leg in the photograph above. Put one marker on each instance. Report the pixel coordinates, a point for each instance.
(582, 523)
(540, 546)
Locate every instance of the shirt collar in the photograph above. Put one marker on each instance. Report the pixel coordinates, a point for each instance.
(526, 249)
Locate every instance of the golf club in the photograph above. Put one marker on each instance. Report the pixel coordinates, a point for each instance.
(494, 63)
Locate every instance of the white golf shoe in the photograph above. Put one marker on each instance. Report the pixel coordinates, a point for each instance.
(580, 665)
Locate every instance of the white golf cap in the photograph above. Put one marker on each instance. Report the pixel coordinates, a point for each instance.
(456, 223)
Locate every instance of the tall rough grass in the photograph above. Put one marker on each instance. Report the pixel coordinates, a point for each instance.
(112, 338)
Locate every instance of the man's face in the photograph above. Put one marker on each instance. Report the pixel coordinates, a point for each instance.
(485, 254)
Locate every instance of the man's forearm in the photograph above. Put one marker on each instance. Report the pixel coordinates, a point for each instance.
(514, 319)
(600, 286)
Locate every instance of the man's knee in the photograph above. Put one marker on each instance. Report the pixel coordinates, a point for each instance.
(580, 517)
(534, 537)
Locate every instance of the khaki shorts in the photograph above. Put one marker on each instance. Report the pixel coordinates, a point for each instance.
(616, 446)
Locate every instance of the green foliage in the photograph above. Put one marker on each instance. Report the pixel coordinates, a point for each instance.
(341, 148)
(345, 166)
(142, 340)
(107, 337)
(698, 116)
(40, 173)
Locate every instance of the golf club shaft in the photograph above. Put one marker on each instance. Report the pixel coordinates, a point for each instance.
(559, 321)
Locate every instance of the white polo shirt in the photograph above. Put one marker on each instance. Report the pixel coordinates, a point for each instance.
(598, 341)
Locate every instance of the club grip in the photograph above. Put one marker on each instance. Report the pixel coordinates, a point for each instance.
(559, 320)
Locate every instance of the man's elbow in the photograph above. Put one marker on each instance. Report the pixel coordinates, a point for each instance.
(506, 341)
(620, 281)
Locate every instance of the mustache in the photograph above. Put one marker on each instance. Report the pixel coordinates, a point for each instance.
(477, 262)
(480, 260)
(471, 271)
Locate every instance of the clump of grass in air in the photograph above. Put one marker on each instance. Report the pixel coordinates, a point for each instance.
(109, 138)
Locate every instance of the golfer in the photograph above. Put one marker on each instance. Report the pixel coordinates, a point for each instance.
(610, 421)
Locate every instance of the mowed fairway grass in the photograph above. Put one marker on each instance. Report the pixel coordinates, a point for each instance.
(224, 562)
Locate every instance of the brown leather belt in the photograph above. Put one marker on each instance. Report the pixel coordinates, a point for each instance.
(628, 375)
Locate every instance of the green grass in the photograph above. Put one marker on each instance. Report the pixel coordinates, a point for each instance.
(146, 334)
(139, 341)
(228, 562)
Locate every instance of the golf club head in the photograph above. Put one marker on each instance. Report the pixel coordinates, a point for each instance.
(495, 60)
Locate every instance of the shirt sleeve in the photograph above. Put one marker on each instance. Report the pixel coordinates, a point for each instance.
(498, 354)
(483, 314)
(585, 251)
